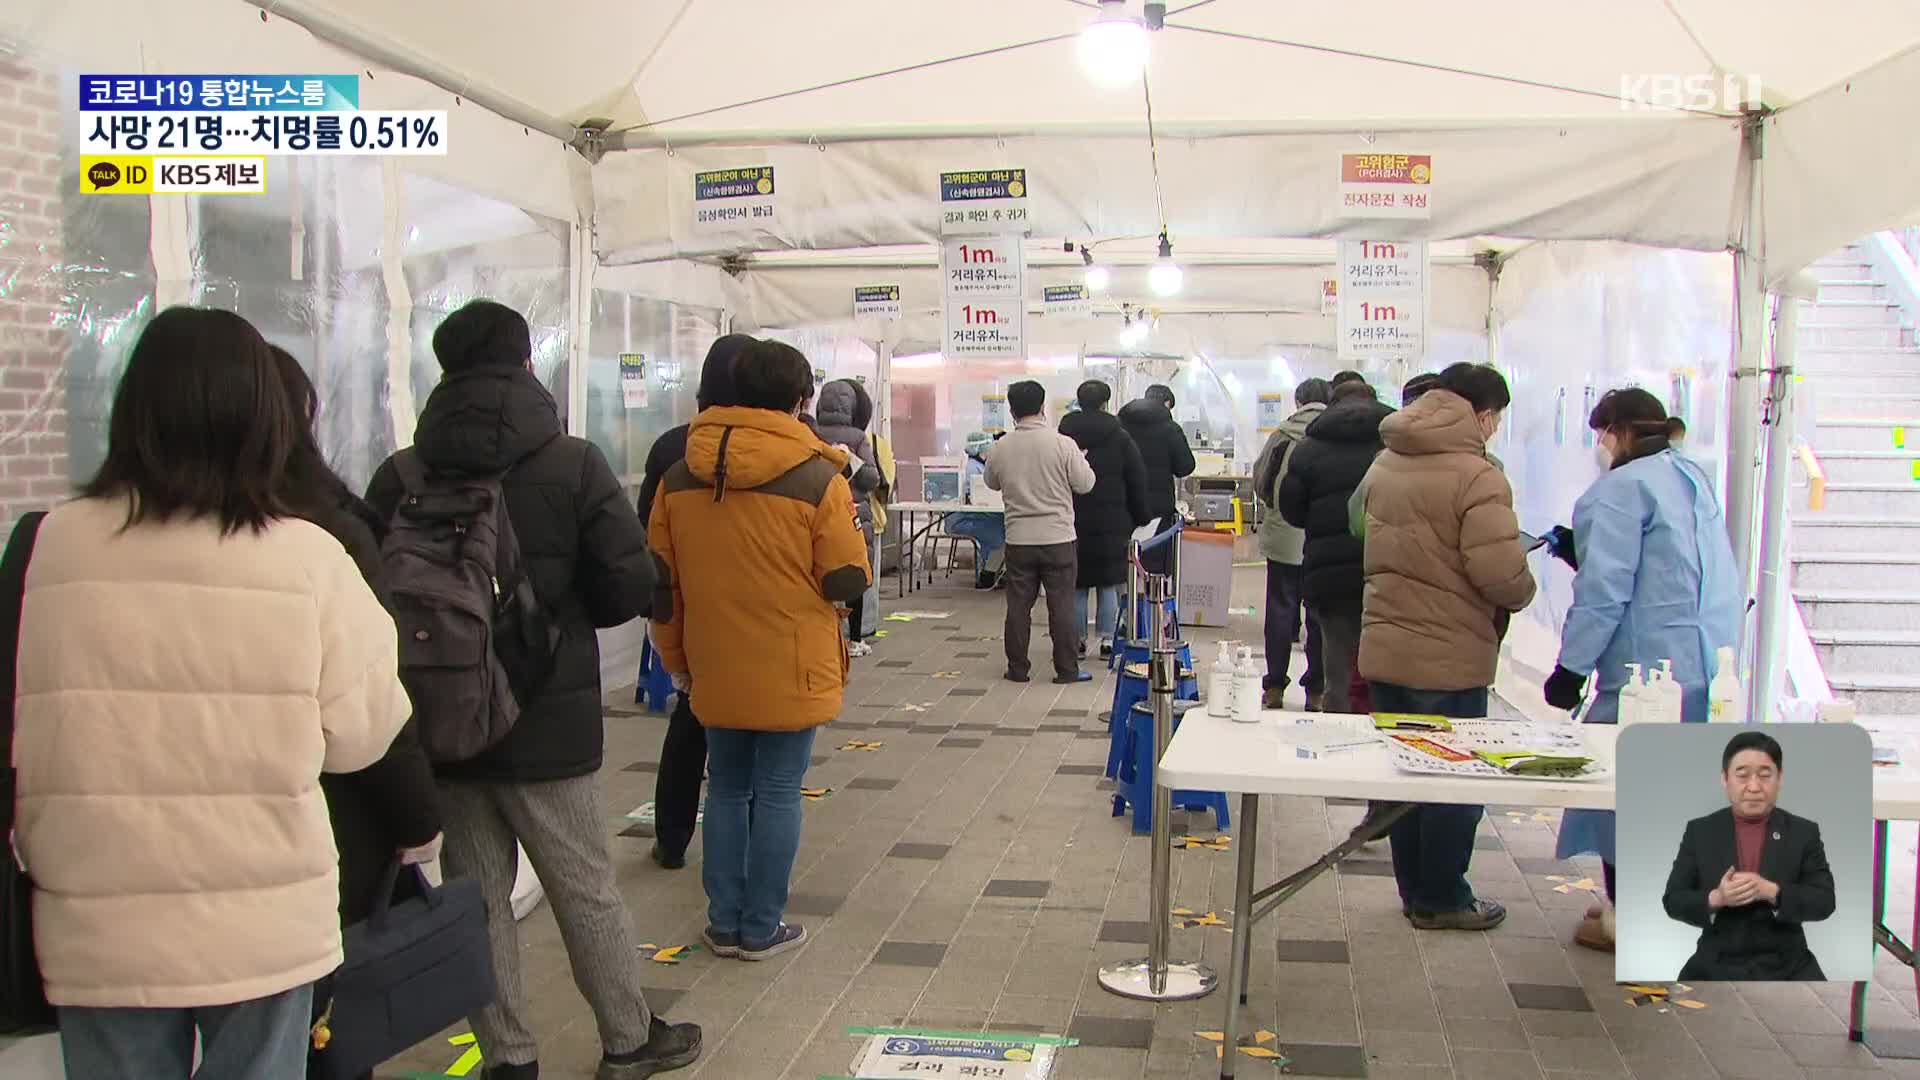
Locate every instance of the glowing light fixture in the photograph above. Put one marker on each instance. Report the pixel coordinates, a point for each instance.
(1098, 277)
(1166, 277)
(1113, 47)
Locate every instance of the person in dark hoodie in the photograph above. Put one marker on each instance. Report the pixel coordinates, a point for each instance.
(1105, 518)
(1164, 451)
(1285, 550)
(845, 410)
(683, 753)
(389, 809)
(586, 553)
(1327, 465)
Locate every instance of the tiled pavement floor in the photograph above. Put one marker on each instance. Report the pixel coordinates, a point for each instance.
(969, 875)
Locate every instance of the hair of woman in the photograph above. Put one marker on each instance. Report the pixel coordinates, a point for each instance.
(200, 427)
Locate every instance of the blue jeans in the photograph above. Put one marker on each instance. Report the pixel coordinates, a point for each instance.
(1433, 842)
(1108, 612)
(264, 1039)
(753, 827)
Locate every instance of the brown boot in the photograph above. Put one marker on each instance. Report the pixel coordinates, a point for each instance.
(1271, 699)
(1314, 701)
(1596, 931)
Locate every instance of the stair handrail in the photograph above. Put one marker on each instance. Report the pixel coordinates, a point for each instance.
(1896, 264)
(1816, 475)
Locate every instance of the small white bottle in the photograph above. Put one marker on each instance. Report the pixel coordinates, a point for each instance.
(1631, 697)
(1665, 692)
(1220, 683)
(1724, 692)
(1247, 691)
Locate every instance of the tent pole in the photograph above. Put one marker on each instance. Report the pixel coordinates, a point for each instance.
(883, 387)
(1764, 687)
(334, 30)
(1744, 372)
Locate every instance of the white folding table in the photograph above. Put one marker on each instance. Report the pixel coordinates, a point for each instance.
(911, 533)
(1214, 754)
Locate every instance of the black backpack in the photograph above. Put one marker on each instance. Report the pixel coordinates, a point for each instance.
(474, 640)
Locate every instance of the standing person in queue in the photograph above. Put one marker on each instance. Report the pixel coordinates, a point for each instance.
(1443, 559)
(192, 656)
(683, 753)
(845, 412)
(1285, 548)
(756, 528)
(538, 787)
(1654, 579)
(1325, 469)
(1039, 471)
(389, 808)
(1105, 518)
(1167, 457)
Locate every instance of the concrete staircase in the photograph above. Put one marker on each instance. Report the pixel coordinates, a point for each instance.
(1856, 562)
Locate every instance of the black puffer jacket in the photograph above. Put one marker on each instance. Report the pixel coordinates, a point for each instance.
(1163, 449)
(1104, 519)
(1325, 469)
(585, 548)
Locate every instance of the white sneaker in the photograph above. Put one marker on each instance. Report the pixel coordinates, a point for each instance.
(858, 649)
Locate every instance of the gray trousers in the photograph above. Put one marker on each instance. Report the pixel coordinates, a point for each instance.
(560, 824)
(1339, 652)
(1030, 569)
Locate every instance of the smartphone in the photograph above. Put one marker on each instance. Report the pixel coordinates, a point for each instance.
(1530, 542)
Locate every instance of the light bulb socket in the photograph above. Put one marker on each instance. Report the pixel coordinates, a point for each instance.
(1166, 247)
(1156, 14)
(1086, 255)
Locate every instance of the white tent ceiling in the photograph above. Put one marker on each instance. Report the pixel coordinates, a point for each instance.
(1518, 100)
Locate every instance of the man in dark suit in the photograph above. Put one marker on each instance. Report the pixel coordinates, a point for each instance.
(1750, 875)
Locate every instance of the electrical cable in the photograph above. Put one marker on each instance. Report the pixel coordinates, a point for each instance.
(1153, 148)
(1444, 69)
(853, 80)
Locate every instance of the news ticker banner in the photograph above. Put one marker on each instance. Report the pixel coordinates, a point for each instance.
(212, 134)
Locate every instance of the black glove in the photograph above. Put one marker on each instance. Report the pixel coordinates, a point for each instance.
(1560, 546)
(1564, 689)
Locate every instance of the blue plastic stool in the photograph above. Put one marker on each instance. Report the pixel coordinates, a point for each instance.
(1131, 689)
(655, 686)
(1135, 782)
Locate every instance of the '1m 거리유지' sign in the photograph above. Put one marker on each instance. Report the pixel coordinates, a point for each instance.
(1383, 300)
(984, 201)
(733, 200)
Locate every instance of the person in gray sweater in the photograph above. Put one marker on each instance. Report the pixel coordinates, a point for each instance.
(1038, 471)
(1285, 549)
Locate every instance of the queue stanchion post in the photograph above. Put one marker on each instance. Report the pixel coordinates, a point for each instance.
(1156, 977)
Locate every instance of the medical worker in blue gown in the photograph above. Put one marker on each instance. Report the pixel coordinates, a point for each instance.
(1654, 580)
(989, 529)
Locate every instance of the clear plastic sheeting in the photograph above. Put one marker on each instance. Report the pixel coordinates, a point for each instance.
(626, 413)
(302, 265)
(1574, 321)
(76, 285)
(460, 247)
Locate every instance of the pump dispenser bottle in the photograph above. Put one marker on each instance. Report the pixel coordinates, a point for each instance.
(1220, 683)
(1631, 696)
(1247, 689)
(1724, 694)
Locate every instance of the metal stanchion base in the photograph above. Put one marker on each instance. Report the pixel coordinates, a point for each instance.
(1133, 979)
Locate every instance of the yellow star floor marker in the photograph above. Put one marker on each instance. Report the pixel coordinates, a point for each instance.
(1252, 1049)
(1217, 843)
(669, 954)
(860, 744)
(815, 793)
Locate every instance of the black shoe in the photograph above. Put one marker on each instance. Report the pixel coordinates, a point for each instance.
(669, 1047)
(1015, 676)
(666, 861)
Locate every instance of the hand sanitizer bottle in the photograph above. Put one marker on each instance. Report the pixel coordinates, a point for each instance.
(1724, 693)
(1631, 697)
(1220, 683)
(1247, 690)
(1670, 695)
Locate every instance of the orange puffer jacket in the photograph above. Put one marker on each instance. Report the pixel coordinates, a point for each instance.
(757, 528)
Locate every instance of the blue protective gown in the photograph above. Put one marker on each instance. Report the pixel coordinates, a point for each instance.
(989, 529)
(1656, 582)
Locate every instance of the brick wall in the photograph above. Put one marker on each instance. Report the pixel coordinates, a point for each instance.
(34, 469)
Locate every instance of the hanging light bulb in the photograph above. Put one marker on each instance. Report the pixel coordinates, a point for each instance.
(1098, 277)
(1166, 277)
(1113, 47)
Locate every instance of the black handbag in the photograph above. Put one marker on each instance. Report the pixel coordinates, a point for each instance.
(23, 993)
(412, 969)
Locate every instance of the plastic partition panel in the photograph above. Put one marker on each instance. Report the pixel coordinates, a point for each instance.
(673, 339)
(76, 285)
(1609, 315)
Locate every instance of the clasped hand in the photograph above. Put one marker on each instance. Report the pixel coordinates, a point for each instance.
(1738, 888)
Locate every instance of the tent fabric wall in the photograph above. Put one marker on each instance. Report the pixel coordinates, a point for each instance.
(1670, 183)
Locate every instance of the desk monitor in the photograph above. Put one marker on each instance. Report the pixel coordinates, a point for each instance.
(940, 479)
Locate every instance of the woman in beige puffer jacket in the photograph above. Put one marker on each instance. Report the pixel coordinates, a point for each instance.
(191, 659)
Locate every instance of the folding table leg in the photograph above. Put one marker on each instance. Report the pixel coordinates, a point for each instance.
(1243, 890)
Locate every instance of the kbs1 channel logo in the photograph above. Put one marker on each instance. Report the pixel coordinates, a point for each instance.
(1721, 95)
(173, 176)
